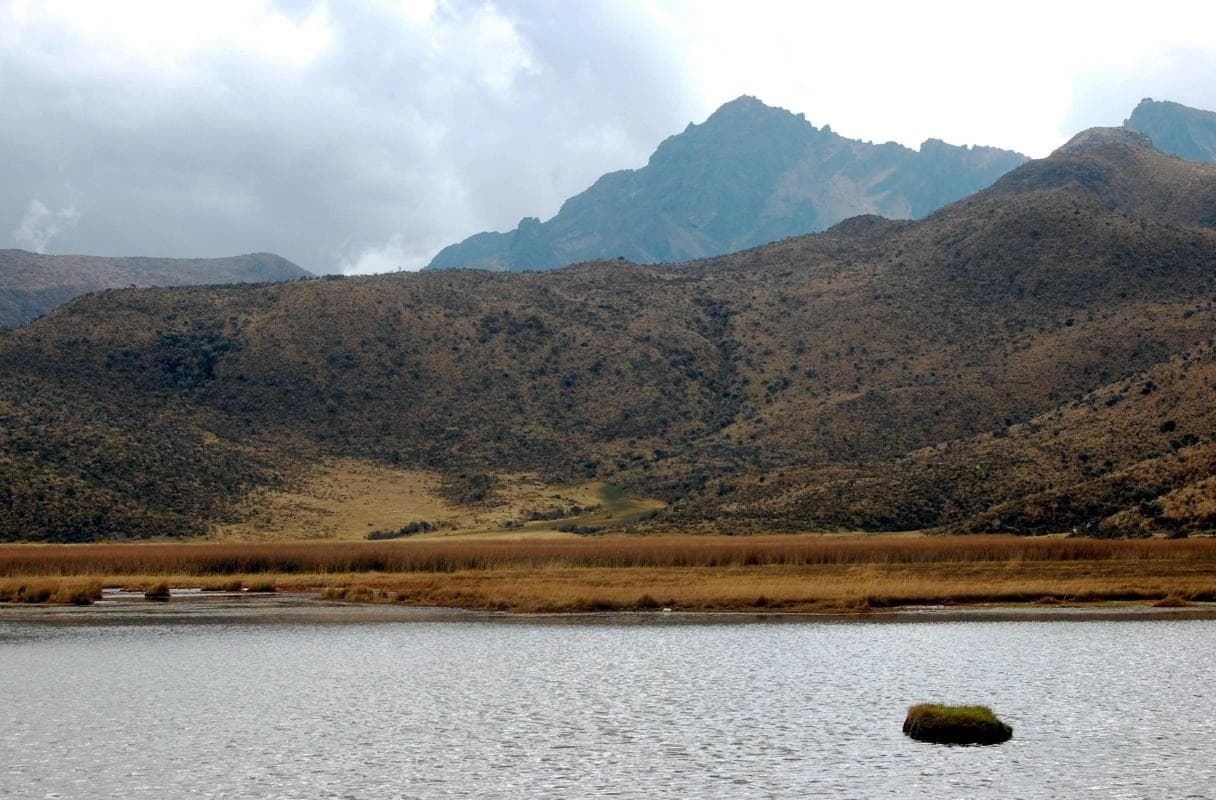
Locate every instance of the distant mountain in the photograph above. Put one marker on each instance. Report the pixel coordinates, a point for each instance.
(31, 284)
(1036, 357)
(750, 174)
(1185, 132)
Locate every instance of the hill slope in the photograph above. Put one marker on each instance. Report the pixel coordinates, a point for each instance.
(1036, 356)
(31, 284)
(748, 175)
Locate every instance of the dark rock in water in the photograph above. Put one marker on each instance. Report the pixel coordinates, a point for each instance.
(940, 724)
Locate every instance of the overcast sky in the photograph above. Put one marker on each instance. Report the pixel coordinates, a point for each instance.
(362, 137)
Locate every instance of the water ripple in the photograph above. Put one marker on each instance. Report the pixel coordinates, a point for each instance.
(459, 710)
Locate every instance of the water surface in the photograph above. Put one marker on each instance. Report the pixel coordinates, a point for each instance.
(162, 706)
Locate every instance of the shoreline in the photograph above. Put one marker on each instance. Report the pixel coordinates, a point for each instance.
(192, 606)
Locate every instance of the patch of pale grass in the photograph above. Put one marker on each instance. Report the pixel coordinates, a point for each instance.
(345, 499)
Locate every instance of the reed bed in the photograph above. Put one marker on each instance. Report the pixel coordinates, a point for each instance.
(811, 588)
(617, 552)
(74, 592)
(709, 573)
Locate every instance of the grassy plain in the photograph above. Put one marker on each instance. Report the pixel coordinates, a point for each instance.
(346, 498)
(713, 573)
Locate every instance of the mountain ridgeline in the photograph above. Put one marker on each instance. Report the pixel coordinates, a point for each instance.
(750, 174)
(1188, 133)
(31, 284)
(1036, 357)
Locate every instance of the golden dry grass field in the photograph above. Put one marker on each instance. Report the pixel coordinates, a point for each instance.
(346, 499)
(707, 573)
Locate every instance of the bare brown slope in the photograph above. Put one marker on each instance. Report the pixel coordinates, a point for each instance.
(31, 284)
(804, 384)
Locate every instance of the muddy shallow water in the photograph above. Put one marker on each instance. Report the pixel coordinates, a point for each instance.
(279, 697)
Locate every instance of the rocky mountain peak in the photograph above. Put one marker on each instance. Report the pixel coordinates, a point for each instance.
(749, 174)
(1176, 129)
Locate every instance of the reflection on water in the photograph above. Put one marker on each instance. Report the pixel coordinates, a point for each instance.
(435, 709)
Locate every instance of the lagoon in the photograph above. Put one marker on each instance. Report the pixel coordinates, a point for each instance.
(272, 704)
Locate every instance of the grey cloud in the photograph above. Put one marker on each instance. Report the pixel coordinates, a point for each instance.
(398, 139)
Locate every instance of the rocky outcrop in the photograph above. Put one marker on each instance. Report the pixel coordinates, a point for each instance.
(1097, 137)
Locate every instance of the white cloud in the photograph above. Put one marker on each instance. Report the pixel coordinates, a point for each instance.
(40, 225)
(165, 34)
(417, 10)
(391, 256)
(497, 49)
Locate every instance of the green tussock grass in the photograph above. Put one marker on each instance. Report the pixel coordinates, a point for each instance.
(159, 591)
(942, 724)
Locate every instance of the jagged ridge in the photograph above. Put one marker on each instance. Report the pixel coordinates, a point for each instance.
(1188, 133)
(748, 175)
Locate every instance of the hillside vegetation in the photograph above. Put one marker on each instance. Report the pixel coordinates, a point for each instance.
(1036, 357)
